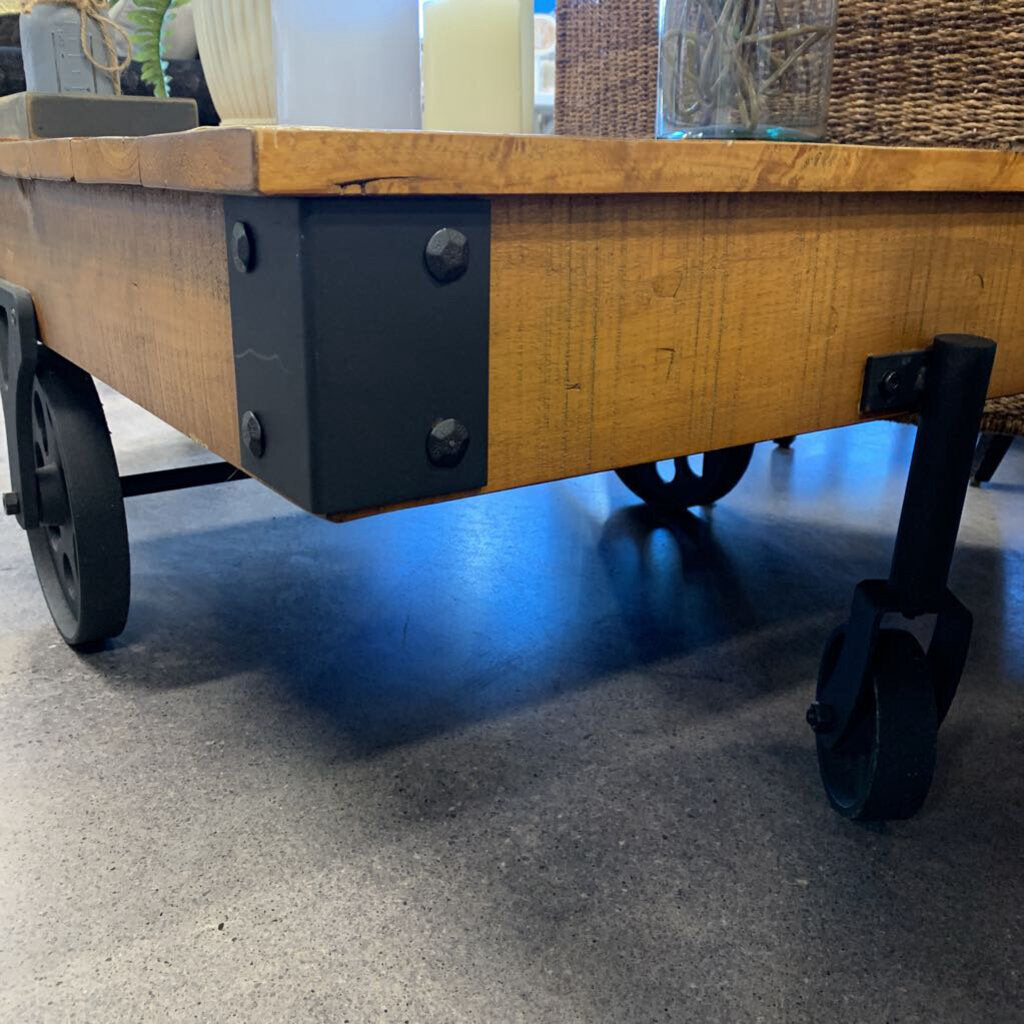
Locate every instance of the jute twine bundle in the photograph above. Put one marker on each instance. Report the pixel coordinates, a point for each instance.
(95, 11)
(907, 72)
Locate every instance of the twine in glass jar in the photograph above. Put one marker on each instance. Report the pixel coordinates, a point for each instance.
(723, 59)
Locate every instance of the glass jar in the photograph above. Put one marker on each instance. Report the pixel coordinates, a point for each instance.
(745, 69)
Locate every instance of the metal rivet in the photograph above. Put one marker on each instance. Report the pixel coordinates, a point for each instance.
(447, 255)
(12, 505)
(252, 434)
(447, 443)
(821, 717)
(243, 251)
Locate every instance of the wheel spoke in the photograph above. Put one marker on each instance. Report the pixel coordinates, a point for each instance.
(695, 480)
(40, 432)
(65, 564)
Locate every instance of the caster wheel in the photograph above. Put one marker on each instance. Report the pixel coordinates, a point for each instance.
(80, 549)
(722, 471)
(884, 768)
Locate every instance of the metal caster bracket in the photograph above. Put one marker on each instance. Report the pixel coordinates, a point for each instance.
(67, 493)
(947, 384)
(19, 353)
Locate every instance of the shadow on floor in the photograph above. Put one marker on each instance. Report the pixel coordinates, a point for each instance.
(433, 619)
(535, 757)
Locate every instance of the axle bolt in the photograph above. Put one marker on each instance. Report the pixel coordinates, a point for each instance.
(821, 717)
(447, 255)
(892, 383)
(252, 435)
(447, 443)
(12, 505)
(243, 251)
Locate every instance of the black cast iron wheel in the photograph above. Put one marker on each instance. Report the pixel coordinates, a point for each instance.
(721, 472)
(883, 770)
(81, 548)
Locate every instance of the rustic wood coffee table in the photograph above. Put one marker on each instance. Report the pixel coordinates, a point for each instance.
(368, 321)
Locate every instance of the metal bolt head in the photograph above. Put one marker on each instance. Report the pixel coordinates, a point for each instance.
(252, 435)
(892, 383)
(821, 717)
(243, 250)
(12, 505)
(447, 255)
(447, 443)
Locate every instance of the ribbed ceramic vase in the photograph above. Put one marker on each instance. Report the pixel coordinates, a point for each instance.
(236, 45)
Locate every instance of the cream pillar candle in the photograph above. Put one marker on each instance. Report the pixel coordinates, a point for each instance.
(478, 65)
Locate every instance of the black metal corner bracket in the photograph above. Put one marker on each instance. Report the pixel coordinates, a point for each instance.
(361, 337)
(19, 354)
(947, 384)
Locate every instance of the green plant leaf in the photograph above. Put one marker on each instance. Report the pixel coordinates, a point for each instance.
(150, 17)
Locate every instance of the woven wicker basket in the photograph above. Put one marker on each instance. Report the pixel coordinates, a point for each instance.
(907, 72)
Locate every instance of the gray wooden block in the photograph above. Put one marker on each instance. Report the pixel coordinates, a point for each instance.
(40, 115)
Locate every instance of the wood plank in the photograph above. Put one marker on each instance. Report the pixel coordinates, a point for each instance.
(623, 329)
(297, 161)
(50, 160)
(210, 160)
(15, 159)
(132, 286)
(206, 160)
(628, 329)
(35, 115)
(106, 160)
(307, 161)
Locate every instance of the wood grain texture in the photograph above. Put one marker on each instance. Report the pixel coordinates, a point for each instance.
(48, 159)
(99, 161)
(309, 161)
(132, 286)
(205, 160)
(623, 329)
(321, 162)
(627, 329)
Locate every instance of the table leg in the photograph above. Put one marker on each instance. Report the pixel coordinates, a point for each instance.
(881, 697)
(991, 451)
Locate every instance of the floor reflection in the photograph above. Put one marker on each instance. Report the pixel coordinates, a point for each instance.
(417, 622)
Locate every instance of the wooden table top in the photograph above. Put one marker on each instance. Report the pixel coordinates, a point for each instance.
(324, 162)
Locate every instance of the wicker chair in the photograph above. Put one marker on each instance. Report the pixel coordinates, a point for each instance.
(907, 73)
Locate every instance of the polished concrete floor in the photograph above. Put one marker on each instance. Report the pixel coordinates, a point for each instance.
(536, 757)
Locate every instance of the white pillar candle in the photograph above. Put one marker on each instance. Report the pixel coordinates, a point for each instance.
(478, 65)
(348, 65)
